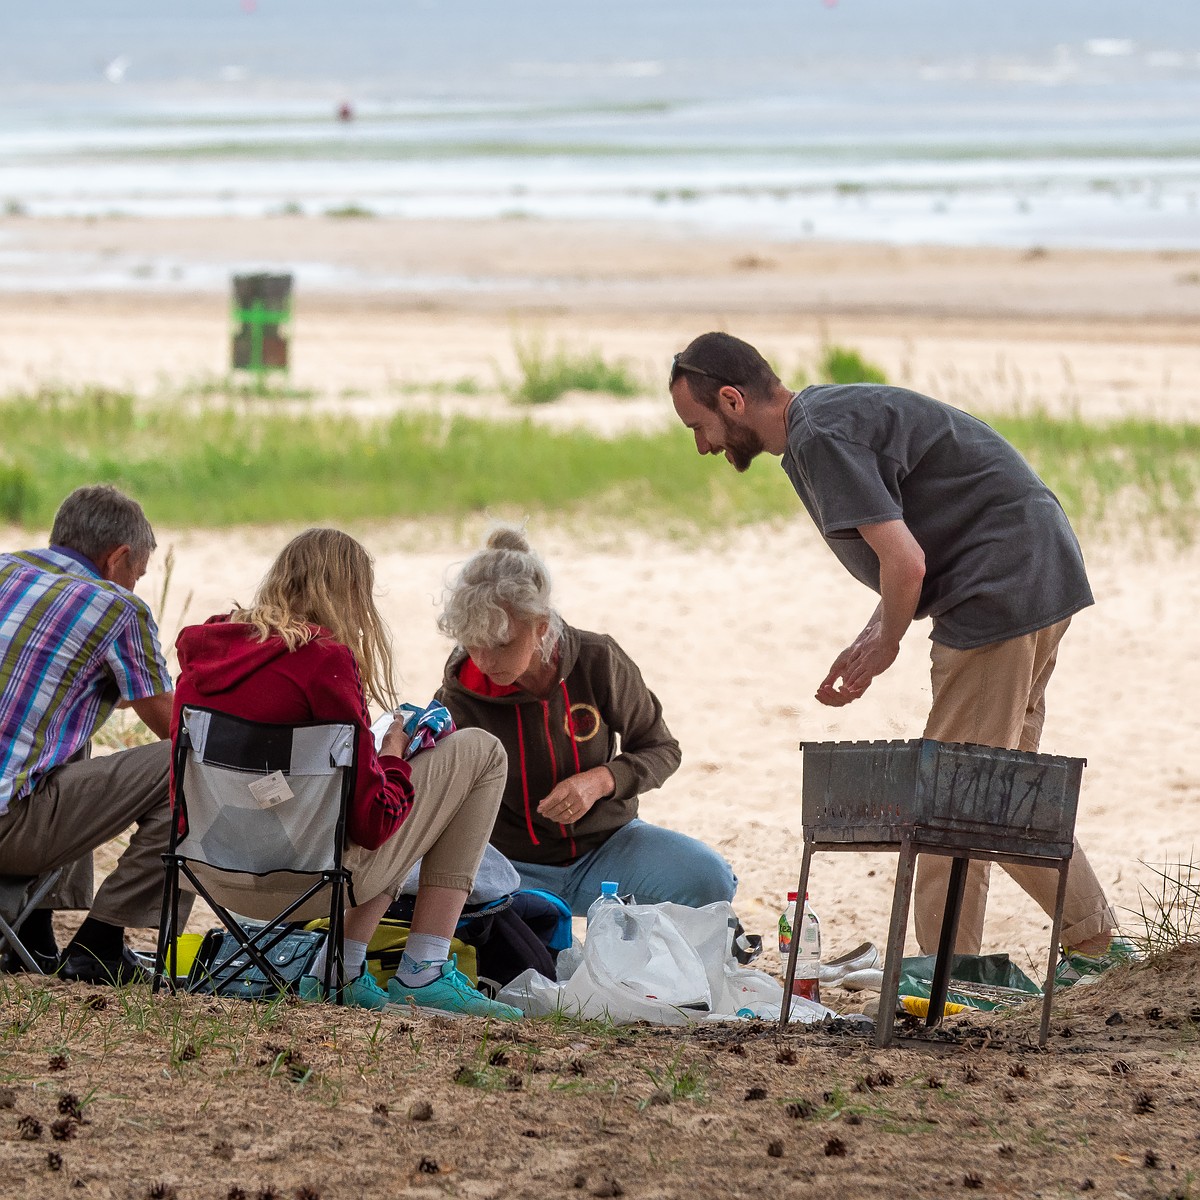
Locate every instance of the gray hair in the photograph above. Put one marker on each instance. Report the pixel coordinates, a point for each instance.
(97, 519)
(503, 582)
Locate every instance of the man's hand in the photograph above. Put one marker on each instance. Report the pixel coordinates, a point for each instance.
(869, 655)
(574, 796)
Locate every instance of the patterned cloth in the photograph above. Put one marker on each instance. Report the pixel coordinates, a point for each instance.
(71, 646)
(425, 726)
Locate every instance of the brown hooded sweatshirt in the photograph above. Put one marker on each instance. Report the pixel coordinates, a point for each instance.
(598, 713)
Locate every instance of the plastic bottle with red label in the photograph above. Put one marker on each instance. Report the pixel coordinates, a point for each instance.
(808, 958)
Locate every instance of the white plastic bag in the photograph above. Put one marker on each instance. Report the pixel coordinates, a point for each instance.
(662, 963)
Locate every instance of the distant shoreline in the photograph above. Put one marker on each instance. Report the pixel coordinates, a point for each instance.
(558, 268)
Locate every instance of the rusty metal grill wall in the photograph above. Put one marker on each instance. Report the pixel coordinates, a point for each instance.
(940, 793)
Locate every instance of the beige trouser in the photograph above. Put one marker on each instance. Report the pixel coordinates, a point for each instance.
(82, 805)
(995, 695)
(457, 784)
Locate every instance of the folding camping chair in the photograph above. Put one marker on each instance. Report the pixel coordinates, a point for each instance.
(258, 808)
(19, 896)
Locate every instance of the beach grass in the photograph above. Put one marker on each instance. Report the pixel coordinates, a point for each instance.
(545, 375)
(844, 364)
(217, 463)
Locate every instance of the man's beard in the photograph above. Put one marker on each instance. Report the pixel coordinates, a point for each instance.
(742, 446)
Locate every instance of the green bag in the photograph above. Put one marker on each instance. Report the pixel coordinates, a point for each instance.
(983, 981)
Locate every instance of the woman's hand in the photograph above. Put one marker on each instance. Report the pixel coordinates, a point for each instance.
(395, 741)
(576, 795)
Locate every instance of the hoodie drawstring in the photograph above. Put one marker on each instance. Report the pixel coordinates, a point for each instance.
(525, 778)
(570, 724)
(562, 683)
(553, 764)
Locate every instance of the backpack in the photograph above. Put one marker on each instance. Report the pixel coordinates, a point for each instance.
(527, 933)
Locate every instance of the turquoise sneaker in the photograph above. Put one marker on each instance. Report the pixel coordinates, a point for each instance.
(1086, 968)
(364, 992)
(451, 992)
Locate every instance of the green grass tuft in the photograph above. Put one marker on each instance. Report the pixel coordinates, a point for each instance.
(842, 364)
(546, 375)
(1169, 907)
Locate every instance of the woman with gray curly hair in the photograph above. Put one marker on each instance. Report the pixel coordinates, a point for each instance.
(584, 735)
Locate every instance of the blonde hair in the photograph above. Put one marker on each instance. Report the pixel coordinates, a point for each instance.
(324, 577)
(506, 581)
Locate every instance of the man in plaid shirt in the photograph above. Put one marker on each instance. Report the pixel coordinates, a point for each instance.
(75, 643)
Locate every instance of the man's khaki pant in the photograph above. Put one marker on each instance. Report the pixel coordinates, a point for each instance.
(995, 695)
(457, 784)
(82, 805)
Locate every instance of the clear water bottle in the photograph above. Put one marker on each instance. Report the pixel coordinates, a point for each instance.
(808, 957)
(608, 896)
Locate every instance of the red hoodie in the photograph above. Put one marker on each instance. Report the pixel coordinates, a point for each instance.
(224, 667)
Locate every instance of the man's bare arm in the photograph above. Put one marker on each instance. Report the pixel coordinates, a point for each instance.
(155, 711)
(901, 574)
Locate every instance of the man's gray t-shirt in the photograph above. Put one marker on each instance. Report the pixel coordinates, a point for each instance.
(1001, 559)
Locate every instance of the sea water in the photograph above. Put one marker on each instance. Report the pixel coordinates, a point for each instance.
(1035, 122)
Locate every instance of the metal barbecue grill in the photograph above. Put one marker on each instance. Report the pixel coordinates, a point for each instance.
(927, 797)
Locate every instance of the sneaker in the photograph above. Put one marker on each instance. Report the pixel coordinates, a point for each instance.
(451, 992)
(364, 992)
(82, 966)
(869, 979)
(11, 962)
(1076, 968)
(861, 958)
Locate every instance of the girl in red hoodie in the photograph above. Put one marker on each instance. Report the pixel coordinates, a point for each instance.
(313, 647)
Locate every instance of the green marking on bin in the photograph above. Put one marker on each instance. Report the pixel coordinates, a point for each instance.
(262, 308)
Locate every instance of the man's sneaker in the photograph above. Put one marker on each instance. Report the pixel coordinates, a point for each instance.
(11, 962)
(82, 966)
(364, 992)
(861, 958)
(1076, 968)
(451, 992)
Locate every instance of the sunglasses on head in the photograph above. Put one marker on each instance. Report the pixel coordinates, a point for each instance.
(678, 366)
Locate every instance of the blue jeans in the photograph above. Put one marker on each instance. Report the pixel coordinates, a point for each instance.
(651, 863)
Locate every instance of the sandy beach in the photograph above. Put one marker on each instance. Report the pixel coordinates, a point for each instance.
(734, 630)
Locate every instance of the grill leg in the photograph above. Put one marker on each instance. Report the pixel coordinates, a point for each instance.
(790, 975)
(901, 897)
(945, 955)
(1048, 991)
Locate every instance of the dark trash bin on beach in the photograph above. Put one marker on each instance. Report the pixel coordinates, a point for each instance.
(262, 308)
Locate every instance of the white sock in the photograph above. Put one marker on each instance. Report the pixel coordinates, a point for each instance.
(423, 958)
(354, 954)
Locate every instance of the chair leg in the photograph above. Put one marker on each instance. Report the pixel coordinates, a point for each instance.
(1055, 932)
(43, 885)
(901, 897)
(335, 952)
(10, 935)
(945, 955)
(166, 930)
(790, 975)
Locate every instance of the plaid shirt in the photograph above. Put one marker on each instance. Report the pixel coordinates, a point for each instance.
(71, 646)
